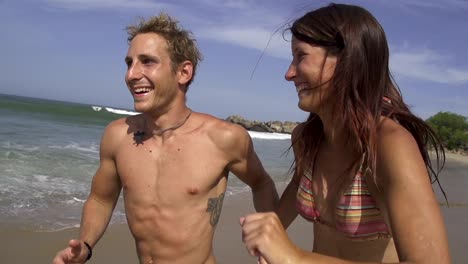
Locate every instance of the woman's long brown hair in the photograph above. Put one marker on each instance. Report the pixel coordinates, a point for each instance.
(361, 81)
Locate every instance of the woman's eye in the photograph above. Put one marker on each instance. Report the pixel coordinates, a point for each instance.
(298, 56)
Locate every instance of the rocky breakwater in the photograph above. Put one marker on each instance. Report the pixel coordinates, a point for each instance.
(258, 126)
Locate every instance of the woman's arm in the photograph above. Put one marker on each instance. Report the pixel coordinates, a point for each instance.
(413, 211)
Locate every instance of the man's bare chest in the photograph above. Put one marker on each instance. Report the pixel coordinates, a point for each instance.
(182, 167)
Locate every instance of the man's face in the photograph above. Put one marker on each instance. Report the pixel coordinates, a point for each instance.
(150, 76)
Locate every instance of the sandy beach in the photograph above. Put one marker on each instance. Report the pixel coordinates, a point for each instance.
(22, 246)
(116, 246)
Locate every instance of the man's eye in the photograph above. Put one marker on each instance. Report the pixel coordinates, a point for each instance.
(148, 61)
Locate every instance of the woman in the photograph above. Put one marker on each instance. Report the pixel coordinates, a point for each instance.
(362, 172)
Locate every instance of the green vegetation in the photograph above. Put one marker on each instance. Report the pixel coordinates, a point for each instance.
(451, 128)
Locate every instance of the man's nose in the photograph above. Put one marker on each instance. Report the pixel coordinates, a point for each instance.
(134, 72)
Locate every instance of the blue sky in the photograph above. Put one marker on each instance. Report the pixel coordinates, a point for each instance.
(73, 50)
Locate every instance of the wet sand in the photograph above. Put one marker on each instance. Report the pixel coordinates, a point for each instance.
(18, 245)
(117, 246)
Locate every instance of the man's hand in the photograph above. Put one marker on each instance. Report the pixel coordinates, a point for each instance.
(75, 253)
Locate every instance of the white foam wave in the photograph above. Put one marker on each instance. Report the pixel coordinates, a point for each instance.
(17, 146)
(96, 108)
(78, 200)
(120, 111)
(75, 146)
(231, 190)
(265, 135)
(41, 178)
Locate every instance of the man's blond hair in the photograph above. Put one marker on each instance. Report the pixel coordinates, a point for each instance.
(181, 45)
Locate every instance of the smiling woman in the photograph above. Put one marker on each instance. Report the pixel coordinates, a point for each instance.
(362, 172)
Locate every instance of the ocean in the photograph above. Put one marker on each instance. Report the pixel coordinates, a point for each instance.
(49, 152)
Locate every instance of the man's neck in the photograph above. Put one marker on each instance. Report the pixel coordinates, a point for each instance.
(170, 120)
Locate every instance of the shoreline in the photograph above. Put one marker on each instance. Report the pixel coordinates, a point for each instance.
(456, 156)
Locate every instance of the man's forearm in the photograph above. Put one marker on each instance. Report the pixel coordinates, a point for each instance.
(265, 196)
(94, 221)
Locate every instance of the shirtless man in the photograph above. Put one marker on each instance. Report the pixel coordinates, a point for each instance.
(172, 163)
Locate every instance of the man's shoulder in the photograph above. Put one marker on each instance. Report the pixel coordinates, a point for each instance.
(118, 124)
(222, 132)
(212, 123)
(121, 126)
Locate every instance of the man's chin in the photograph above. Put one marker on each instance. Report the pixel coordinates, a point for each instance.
(139, 108)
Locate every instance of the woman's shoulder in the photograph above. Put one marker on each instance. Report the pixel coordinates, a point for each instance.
(395, 144)
(391, 134)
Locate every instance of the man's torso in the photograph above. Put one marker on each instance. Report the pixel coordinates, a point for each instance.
(173, 190)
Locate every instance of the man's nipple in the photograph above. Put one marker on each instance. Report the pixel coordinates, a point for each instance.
(192, 191)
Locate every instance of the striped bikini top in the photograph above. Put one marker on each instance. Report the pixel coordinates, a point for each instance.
(357, 214)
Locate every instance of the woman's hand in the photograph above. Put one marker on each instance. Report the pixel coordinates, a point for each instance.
(265, 237)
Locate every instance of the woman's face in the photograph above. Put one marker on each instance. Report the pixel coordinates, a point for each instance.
(311, 71)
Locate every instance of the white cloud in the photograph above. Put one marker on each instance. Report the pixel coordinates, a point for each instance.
(447, 4)
(426, 65)
(253, 38)
(237, 4)
(105, 4)
(433, 4)
(234, 20)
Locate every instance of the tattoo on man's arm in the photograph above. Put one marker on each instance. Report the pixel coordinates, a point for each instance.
(214, 207)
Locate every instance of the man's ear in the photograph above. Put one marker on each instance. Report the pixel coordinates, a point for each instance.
(185, 72)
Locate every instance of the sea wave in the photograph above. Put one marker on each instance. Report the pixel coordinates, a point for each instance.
(113, 110)
(266, 135)
(120, 111)
(253, 134)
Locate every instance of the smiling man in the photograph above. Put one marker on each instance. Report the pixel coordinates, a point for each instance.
(172, 163)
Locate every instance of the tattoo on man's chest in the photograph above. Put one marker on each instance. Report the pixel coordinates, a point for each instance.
(138, 138)
(214, 207)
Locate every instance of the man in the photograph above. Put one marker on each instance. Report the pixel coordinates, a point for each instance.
(171, 163)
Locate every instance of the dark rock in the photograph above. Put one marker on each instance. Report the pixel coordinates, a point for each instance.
(270, 126)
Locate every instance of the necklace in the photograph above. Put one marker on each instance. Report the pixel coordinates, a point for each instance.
(159, 132)
(139, 136)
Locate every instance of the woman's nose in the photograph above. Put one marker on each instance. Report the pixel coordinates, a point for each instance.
(290, 73)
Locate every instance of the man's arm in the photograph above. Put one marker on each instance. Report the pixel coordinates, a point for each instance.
(246, 165)
(105, 190)
(97, 210)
